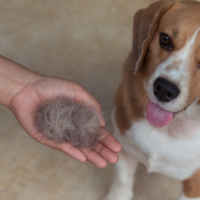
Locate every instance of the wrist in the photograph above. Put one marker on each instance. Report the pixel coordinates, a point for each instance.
(13, 78)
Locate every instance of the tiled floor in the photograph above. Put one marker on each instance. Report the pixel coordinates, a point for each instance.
(85, 41)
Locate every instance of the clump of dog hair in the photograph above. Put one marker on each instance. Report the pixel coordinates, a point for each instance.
(64, 120)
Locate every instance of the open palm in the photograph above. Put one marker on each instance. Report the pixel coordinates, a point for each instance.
(25, 103)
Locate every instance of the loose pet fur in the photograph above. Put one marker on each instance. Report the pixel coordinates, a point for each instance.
(64, 120)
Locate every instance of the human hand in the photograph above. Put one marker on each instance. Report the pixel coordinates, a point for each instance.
(40, 89)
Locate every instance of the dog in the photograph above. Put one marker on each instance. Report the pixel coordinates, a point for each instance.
(156, 113)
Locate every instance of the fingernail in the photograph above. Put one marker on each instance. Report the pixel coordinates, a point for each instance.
(117, 148)
(102, 165)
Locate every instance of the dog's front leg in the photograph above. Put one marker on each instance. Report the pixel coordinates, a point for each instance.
(191, 187)
(122, 184)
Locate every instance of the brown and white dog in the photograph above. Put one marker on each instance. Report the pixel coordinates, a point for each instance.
(156, 113)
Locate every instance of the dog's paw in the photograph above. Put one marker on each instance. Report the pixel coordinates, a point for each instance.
(117, 197)
(109, 198)
(119, 191)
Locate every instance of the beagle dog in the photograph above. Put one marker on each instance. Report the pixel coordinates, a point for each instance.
(156, 114)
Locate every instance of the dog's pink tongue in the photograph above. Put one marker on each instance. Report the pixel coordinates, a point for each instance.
(157, 116)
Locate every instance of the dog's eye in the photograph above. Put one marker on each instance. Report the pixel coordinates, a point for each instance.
(166, 42)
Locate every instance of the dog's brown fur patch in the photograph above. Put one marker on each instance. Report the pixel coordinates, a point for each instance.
(192, 186)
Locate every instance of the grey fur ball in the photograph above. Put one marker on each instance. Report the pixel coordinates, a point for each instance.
(63, 120)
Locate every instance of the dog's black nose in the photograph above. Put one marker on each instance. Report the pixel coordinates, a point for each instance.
(164, 90)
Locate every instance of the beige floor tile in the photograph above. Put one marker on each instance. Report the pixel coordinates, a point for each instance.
(85, 41)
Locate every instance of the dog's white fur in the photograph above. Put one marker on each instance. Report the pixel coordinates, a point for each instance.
(172, 150)
(165, 150)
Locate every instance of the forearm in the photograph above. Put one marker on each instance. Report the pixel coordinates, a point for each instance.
(13, 78)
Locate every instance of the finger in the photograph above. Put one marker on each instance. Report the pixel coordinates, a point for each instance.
(65, 147)
(72, 151)
(106, 153)
(94, 157)
(110, 141)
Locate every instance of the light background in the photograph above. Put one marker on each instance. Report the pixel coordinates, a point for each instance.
(85, 41)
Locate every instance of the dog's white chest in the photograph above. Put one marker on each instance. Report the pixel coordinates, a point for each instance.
(173, 150)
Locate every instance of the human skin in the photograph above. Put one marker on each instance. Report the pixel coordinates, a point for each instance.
(22, 90)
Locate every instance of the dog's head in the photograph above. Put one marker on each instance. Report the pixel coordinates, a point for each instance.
(166, 43)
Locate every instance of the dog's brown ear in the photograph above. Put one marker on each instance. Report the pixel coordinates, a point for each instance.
(146, 22)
